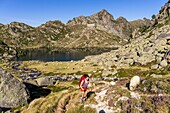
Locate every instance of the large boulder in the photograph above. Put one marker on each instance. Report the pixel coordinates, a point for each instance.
(134, 82)
(12, 92)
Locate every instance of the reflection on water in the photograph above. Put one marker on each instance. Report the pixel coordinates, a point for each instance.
(44, 54)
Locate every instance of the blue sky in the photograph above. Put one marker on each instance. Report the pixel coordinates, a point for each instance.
(36, 12)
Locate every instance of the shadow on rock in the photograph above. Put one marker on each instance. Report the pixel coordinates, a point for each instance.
(127, 85)
(2, 110)
(36, 91)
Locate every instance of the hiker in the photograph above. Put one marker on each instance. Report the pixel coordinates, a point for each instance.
(84, 81)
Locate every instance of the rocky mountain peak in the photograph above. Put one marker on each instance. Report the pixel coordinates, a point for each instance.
(103, 13)
(121, 19)
(52, 25)
(14, 29)
(18, 24)
(104, 21)
(97, 18)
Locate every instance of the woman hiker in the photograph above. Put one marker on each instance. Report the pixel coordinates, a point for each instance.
(84, 81)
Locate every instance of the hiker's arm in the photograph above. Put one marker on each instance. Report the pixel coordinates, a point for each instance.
(81, 84)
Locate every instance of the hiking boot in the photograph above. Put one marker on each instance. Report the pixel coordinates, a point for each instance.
(84, 99)
(81, 99)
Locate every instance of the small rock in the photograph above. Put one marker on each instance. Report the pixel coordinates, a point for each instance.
(135, 95)
(114, 72)
(156, 76)
(123, 98)
(5, 54)
(109, 63)
(163, 63)
(156, 66)
(154, 89)
(112, 83)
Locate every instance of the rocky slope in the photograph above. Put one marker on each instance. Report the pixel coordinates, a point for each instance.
(141, 23)
(13, 33)
(150, 46)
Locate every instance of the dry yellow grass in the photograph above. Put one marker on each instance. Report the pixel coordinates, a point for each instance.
(44, 104)
(54, 102)
(58, 102)
(60, 67)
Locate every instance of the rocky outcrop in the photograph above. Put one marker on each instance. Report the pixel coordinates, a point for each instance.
(17, 29)
(6, 52)
(100, 18)
(163, 15)
(14, 34)
(13, 93)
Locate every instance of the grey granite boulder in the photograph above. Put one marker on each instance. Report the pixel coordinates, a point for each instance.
(12, 92)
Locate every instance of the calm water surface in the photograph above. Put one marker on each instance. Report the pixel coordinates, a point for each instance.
(44, 54)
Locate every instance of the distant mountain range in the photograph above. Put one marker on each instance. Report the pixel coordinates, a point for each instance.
(97, 30)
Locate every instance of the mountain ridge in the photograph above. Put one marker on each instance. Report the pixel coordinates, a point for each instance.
(105, 21)
(107, 32)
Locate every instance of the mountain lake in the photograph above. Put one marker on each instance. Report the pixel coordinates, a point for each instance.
(60, 54)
